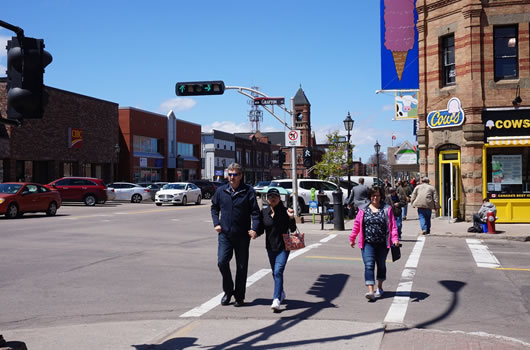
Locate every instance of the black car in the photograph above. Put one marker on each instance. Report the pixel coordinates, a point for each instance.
(207, 187)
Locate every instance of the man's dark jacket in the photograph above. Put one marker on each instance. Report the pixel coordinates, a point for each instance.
(236, 210)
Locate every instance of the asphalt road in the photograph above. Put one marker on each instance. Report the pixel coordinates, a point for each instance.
(123, 262)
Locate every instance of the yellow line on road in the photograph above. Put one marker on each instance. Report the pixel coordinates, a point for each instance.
(511, 269)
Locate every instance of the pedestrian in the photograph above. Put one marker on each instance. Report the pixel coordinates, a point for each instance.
(376, 227)
(425, 199)
(386, 185)
(358, 197)
(239, 219)
(405, 187)
(482, 215)
(276, 221)
(397, 200)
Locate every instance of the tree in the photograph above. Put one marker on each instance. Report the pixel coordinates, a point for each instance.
(384, 166)
(335, 160)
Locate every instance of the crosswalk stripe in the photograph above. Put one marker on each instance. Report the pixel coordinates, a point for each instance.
(397, 311)
(481, 253)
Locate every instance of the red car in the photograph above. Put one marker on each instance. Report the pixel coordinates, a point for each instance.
(80, 189)
(17, 198)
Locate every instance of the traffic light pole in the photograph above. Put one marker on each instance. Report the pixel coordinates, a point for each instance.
(20, 34)
(242, 90)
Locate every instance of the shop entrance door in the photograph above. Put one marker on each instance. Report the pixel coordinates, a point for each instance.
(449, 183)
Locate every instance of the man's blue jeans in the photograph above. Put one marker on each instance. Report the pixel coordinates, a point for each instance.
(278, 260)
(374, 254)
(425, 219)
(404, 210)
(225, 250)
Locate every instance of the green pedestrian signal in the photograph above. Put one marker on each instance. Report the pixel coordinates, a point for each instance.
(198, 88)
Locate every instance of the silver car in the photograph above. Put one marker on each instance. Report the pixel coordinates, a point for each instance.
(126, 191)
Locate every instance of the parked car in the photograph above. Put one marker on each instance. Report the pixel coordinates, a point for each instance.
(304, 190)
(178, 193)
(126, 191)
(261, 185)
(207, 187)
(153, 187)
(17, 198)
(89, 190)
(368, 180)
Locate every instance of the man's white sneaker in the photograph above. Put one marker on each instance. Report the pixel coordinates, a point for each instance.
(370, 296)
(275, 305)
(282, 297)
(379, 293)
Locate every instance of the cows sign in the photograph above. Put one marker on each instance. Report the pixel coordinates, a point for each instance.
(452, 116)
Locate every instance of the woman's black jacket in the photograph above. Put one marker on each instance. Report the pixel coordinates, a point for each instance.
(275, 226)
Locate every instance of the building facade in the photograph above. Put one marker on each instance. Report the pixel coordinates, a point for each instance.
(474, 116)
(77, 136)
(218, 151)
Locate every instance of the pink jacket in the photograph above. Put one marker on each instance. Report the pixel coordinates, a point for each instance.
(358, 227)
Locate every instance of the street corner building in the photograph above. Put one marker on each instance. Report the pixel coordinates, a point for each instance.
(77, 136)
(474, 106)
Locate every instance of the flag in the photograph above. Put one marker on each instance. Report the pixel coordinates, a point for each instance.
(393, 137)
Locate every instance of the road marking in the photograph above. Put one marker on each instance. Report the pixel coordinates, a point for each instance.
(510, 269)
(481, 253)
(215, 301)
(328, 238)
(397, 311)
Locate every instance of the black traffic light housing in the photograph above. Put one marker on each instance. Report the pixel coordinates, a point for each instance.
(26, 60)
(281, 158)
(308, 157)
(199, 88)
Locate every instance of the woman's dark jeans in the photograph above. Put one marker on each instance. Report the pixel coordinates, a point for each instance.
(374, 254)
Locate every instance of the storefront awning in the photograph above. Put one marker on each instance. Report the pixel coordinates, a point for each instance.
(508, 140)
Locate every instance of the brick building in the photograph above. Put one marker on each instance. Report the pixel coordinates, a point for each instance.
(77, 136)
(474, 114)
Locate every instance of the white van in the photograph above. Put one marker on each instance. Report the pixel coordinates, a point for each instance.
(368, 180)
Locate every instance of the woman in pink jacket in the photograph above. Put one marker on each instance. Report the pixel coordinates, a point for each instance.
(376, 227)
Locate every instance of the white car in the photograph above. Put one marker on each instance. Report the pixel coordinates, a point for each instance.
(126, 191)
(178, 193)
(304, 190)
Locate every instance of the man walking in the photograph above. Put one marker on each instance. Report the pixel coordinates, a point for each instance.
(239, 221)
(425, 198)
(358, 197)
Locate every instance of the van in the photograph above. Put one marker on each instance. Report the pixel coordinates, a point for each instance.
(368, 180)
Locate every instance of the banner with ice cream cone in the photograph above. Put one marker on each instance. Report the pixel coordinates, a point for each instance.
(399, 45)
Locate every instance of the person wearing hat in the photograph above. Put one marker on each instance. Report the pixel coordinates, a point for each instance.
(276, 220)
(425, 198)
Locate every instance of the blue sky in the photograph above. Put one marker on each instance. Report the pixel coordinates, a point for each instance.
(133, 52)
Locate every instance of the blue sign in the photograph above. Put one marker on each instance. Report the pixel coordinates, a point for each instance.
(219, 173)
(452, 116)
(313, 207)
(400, 69)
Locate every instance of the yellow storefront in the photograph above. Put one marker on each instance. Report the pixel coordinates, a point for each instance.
(506, 163)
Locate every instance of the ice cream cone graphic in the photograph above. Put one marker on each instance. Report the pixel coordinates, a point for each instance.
(399, 31)
(400, 57)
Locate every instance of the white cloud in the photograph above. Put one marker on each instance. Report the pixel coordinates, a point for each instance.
(177, 104)
(227, 126)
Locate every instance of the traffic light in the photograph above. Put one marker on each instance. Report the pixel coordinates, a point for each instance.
(281, 158)
(26, 60)
(198, 88)
(308, 157)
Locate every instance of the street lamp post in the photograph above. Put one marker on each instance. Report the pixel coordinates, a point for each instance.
(348, 125)
(377, 148)
(117, 152)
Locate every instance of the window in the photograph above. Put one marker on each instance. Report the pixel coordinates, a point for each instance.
(185, 149)
(448, 60)
(146, 144)
(247, 158)
(238, 157)
(505, 48)
(508, 172)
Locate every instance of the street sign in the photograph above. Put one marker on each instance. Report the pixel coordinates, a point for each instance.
(263, 101)
(292, 138)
